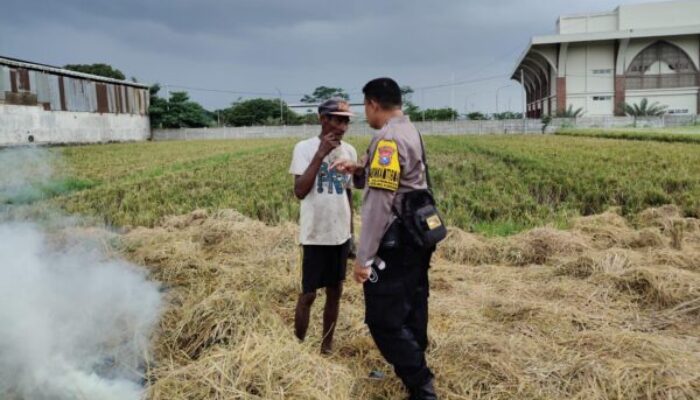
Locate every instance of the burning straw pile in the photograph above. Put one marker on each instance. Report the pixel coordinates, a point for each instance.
(607, 310)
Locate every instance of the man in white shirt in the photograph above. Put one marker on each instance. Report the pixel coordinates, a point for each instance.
(325, 216)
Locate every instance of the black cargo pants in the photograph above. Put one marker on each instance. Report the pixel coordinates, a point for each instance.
(396, 311)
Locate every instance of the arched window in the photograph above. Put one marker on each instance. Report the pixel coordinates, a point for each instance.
(661, 65)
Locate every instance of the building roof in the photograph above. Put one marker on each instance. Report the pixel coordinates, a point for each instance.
(13, 62)
(603, 36)
(624, 34)
(659, 19)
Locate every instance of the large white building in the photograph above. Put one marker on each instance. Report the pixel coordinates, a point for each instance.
(599, 62)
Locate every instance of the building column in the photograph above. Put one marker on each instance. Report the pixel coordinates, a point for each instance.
(561, 77)
(620, 64)
(542, 108)
(620, 95)
(561, 95)
(529, 103)
(698, 105)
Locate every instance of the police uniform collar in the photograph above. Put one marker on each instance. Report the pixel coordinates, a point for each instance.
(399, 119)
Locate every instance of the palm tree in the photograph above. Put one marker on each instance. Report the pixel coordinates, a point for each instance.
(644, 109)
(570, 112)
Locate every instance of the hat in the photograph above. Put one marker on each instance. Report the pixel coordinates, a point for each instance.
(335, 106)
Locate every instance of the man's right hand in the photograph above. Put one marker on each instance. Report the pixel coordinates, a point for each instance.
(329, 142)
(348, 166)
(360, 272)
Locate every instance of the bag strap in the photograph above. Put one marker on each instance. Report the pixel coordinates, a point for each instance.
(425, 162)
(427, 172)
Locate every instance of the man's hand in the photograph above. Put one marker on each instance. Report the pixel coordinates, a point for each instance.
(329, 142)
(361, 273)
(345, 166)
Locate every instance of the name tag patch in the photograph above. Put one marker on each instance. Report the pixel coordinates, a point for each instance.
(433, 222)
(385, 171)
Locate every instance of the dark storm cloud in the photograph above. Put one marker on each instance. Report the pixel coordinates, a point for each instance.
(261, 45)
(386, 32)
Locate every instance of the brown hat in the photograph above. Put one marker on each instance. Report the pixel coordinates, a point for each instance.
(335, 106)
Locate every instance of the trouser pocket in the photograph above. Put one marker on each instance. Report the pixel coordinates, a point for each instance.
(386, 304)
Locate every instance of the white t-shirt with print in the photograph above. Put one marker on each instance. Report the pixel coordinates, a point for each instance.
(325, 212)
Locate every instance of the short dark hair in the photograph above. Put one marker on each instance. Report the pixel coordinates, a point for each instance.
(384, 91)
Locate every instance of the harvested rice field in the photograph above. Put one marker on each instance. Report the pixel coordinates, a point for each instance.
(495, 185)
(599, 311)
(571, 269)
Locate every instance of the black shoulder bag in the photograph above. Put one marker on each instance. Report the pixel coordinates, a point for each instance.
(419, 214)
(419, 217)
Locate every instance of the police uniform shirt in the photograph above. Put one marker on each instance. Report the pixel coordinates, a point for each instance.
(394, 166)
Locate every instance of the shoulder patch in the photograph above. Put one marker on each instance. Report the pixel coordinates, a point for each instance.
(384, 170)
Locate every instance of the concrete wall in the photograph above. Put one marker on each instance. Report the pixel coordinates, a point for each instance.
(18, 123)
(676, 100)
(590, 77)
(660, 15)
(603, 22)
(586, 65)
(576, 66)
(427, 128)
(609, 122)
(634, 16)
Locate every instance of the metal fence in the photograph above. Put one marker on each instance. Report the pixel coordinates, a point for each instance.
(666, 121)
(356, 129)
(459, 127)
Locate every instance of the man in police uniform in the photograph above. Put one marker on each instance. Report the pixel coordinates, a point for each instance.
(395, 279)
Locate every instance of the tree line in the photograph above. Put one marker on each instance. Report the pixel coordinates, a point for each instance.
(179, 111)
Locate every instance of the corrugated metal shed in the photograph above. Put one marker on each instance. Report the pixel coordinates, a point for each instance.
(57, 89)
(4, 81)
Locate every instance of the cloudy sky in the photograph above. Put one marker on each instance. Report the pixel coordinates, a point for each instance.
(255, 48)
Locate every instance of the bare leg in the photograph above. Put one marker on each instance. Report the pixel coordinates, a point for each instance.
(330, 316)
(302, 314)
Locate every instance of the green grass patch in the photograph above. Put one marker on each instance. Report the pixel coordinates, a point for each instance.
(29, 194)
(496, 185)
(692, 136)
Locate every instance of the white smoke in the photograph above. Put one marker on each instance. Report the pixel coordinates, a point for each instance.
(74, 323)
(24, 172)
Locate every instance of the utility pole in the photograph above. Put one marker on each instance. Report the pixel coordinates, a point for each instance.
(498, 90)
(522, 81)
(281, 108)
(452, 94)
(167, 98)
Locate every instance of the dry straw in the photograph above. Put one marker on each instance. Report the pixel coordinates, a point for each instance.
(607, 310)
